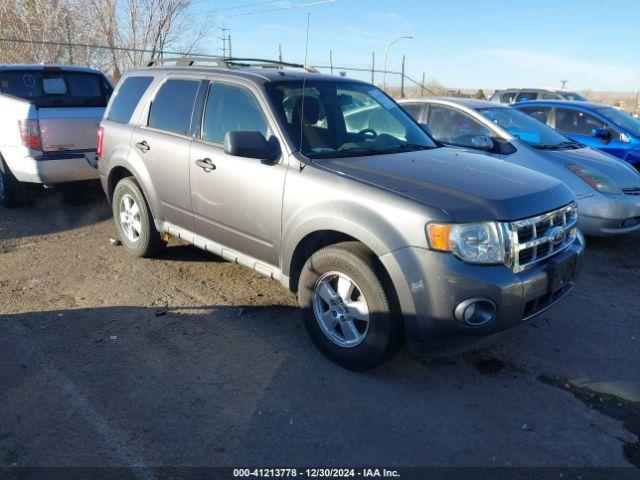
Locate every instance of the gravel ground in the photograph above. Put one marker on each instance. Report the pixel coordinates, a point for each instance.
(186, 360)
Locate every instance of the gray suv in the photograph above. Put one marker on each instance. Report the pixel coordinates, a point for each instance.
(327, 186)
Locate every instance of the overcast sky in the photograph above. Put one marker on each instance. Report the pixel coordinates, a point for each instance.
(460, 43)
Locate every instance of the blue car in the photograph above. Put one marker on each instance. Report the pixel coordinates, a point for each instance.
(596, 125)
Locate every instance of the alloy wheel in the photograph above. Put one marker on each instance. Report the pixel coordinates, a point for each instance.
(130, 218)
(341, 309)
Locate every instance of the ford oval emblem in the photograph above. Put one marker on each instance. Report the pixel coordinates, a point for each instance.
(555, 236)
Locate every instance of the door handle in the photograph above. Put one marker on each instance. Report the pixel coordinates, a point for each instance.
(206, 164)
(143, 146)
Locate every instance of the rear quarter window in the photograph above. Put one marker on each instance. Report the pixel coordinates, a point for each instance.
(127, 96)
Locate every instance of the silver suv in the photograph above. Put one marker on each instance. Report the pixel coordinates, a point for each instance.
(327, 186)
(513, 95)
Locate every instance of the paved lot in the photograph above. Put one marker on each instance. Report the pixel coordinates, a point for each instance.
(94, 372)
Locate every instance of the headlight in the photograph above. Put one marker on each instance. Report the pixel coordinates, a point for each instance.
(595, 180)
(472, 242)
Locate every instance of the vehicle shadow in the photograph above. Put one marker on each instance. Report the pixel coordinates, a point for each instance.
(182, 252)
(55, 210)
(620, 250)
(229, 385)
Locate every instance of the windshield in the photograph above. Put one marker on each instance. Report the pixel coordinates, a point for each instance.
(344, 119)
(622, 119)
(56, 88)
(526, 128)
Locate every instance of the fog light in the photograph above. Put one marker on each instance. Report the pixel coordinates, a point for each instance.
(476, 311)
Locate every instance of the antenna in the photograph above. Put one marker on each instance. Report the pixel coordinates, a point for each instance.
(304, 81)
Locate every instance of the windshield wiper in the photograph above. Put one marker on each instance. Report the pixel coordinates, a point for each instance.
(560, 146)
(408, 147)
(358, 151)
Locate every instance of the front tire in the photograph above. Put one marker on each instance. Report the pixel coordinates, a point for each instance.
(133, 220)
(348, 306)
(12, 192)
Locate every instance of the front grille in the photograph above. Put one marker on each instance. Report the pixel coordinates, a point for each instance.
(631, 191)
(539, 238)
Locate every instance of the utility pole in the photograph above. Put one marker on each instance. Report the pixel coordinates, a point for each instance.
(229, 38)
(280, 52)
(331, 61)
(422, 86)
(373, 67)
(66, 17)
(635, 105)
(402, 79)
(223, 31)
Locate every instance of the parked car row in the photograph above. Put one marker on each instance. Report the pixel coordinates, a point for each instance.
(443, 225)
(607, 189)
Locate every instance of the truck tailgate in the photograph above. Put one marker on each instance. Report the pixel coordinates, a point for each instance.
(66, 129)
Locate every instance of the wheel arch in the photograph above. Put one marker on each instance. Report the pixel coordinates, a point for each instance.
(120, 170)
(311, 238)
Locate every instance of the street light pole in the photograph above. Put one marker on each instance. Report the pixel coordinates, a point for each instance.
(386, 55)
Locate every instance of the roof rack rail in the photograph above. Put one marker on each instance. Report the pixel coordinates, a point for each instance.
(228, 63)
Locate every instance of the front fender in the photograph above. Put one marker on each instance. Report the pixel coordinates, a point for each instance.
(380, 239)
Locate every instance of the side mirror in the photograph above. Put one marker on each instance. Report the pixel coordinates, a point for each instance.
(504, 147)
(601, 133)
(482, 142)
(248, 145)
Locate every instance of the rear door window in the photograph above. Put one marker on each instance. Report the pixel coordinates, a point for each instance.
(57, 88)
(172, 107)
(127, 97)
(230, 108)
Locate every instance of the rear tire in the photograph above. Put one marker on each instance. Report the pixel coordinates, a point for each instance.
(340, 286)
(12, 192)
(134, 221)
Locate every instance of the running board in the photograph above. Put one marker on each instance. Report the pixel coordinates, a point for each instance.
(219, 250)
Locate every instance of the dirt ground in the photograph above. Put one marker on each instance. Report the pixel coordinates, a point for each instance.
(187, 360)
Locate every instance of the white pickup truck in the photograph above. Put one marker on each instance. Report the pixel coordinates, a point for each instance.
(48, 126)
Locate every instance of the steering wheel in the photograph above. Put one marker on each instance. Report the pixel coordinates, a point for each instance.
(368, 134)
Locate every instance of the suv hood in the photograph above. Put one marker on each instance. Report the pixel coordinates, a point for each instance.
(468, 187)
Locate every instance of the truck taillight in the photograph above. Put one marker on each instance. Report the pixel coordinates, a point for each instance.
(100, 138)
(30, 134)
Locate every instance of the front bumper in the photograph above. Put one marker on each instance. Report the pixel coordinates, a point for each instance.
(58, 167)
(602, 215)
(430, 285)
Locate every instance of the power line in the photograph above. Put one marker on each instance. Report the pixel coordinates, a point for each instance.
(102, 47)
(288, 7)
(245, 5)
